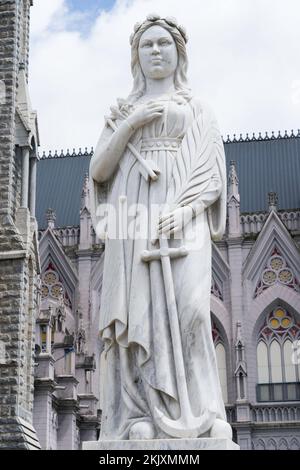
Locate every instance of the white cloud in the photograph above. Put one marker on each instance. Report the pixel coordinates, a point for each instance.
(243, 60)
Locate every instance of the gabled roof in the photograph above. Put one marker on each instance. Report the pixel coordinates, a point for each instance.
(263, 165)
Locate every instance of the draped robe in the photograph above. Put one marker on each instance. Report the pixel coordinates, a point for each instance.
(186, 145)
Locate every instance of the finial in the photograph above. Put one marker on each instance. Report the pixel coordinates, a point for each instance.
(51, 218)
(272, 201)
(85, 194)
(238, 331)
(233, 182)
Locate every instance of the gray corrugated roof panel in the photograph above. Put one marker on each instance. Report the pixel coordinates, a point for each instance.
(263, 166)
(267, 166)
(59, 186)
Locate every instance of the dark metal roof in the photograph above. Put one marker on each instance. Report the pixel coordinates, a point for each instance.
(59, 186)
(263, 165)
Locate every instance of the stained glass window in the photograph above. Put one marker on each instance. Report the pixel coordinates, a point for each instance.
(276, 364)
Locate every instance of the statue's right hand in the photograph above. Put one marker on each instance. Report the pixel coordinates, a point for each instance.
(145, 113)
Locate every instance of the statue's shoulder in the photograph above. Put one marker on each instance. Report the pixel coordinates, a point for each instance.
(203, 108)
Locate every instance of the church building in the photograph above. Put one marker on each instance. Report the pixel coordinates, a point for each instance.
(255, 293)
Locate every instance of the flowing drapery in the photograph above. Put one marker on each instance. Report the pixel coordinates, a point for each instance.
(133, 315)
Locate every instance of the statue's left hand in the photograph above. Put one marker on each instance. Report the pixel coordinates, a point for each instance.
(174, 221)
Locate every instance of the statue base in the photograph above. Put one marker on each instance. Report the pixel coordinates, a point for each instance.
(208, 443)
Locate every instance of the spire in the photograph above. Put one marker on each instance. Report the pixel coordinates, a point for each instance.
(233, 182)
(233, 203)
(241, 366)
(239, 340)
(85, 216)
(51, 218)
(85, 194)
(272, 201)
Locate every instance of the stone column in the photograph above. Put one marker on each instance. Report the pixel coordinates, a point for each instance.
(233, 203)
(32, 192)
(42, 411)
(25, 176)
(67, 438)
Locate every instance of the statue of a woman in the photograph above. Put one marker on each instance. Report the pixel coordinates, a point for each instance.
(160, 148)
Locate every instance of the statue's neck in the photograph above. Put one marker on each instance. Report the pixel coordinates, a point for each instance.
(159, 87)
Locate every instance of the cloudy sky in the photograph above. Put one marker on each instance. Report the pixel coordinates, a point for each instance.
(244, 60)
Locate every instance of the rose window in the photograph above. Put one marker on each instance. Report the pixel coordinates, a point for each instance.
(276, 271)
(52, 287)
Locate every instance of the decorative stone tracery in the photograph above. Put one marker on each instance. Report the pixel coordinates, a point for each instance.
(277, 271)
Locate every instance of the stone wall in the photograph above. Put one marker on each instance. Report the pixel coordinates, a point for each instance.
(18, 250)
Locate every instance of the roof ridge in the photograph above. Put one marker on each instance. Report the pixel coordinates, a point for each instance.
(229, 140)
(74, 154)
(256, 138)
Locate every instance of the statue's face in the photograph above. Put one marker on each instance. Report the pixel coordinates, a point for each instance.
(157, 53)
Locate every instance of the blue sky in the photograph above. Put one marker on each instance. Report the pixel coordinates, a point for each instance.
(239, 63)
(90, 5)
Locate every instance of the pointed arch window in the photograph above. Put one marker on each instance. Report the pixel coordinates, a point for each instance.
(221, 360)
(277, 367)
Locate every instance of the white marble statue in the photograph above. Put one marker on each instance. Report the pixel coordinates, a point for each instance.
(158, 187)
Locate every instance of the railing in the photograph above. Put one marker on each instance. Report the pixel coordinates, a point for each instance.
(230, 413)
(275, 413)
(252, 224)
(70, 236)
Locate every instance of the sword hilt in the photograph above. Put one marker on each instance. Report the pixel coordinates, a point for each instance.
(148, 255)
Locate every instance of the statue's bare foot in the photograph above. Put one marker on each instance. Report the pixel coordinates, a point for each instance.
(221, 429)
(142, 430)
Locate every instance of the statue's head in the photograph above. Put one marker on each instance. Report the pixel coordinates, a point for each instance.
(158, 50)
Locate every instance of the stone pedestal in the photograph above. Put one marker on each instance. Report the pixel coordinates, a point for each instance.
(163, 444)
